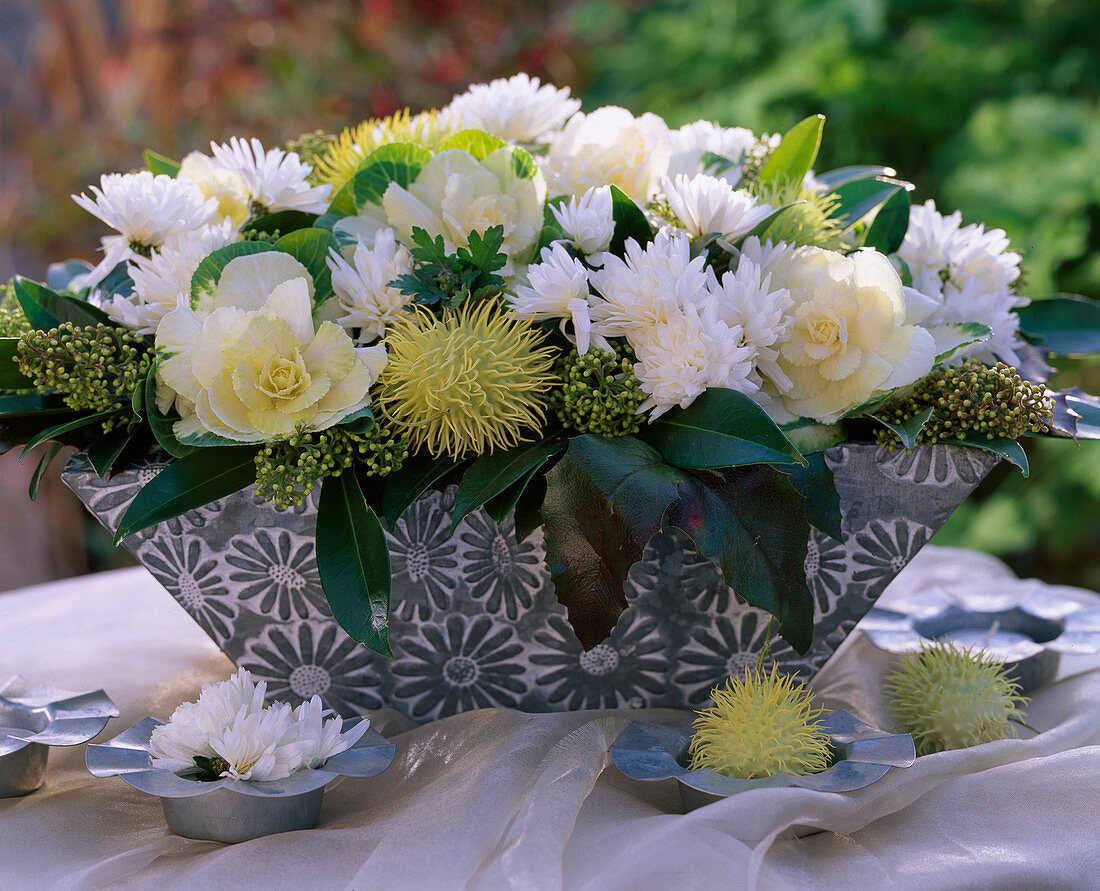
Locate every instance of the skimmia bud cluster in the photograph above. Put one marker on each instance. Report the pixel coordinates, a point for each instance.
(94, 368)
(13, 322)
(601, 393)
(972, 401)
(287, 470)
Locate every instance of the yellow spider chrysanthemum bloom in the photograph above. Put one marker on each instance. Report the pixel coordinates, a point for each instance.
(760, 725)
(340, 161)
(470, 382)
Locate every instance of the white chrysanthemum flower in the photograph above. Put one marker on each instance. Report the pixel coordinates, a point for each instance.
(746, 298)
(163, 281)
(363, 285)
(274, 179)
(692, 141)
(609, 147)
(587, 221)
(766, 255)
(145, 210)
(687, 352)
(964, 274)
(173, 746)
(518, 109)
(260, 746)
(321, 738)
(559, 290)
(225, 186)
(706, 205)
(648, 286)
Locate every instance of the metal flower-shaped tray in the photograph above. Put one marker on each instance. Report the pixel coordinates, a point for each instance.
(659, 752)
(232, 810)
(33, 718)
(1027, 633)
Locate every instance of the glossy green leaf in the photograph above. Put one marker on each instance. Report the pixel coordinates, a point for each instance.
(1008, 449)
(283, 221)
(158, 164)
(47, 458)
(46, 309)
(843, 175)
(721, 428)
(630, 222)
(311, 247)
(887, 230)
(32, 404)
(209, 272)
(952, 337)
(162, 425)
(353, 562)
(11, 378)
(815, 483)
(492, 474)
(551, 228)
(416, 476)
(59, 276)
(476, 142)
(398, 162)
(499, 506)
(1066, 325)
(863, 197)
(529, 505)
(66, 427)
(760, 228)
(105, 451)
(194, 480)
(908, 430)
(795, 154)
(1086, 408)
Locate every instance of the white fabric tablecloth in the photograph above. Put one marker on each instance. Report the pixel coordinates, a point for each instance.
(501, 799)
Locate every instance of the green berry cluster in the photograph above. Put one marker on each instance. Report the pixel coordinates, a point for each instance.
(94, 368)
(13, 323)
(601, 393)
(259, 235)
(311, 146)
(972, 401)
(288, 469)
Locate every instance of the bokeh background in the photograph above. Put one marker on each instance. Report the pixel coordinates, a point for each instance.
(988, 106)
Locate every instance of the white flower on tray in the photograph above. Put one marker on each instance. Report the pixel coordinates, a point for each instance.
(229, 732)
(519, 109)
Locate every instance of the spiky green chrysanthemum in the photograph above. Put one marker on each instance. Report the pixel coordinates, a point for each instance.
(950, 698)
(601, 393)
(760, 725)
(339, 161)
(971, 401)
(470, 381)
(808, 223)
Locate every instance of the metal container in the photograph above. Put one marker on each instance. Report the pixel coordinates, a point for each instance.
(233, 811)
(862, 755)
(33, 718)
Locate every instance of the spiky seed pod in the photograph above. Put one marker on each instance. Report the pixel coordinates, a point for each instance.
(809, 223)
(601, 394)
(338, 163)
(971, 401)
(760, 725)
(471, 381)
(93, 368)
(950, 698)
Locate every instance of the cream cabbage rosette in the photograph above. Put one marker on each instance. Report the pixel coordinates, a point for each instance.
(249, 361)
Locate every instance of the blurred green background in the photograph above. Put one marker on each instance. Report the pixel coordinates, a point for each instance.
(988, 106)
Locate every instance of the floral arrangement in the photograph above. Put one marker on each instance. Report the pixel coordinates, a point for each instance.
(228, 732)
(591, 321)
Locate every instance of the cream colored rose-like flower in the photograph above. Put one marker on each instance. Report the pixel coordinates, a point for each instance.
(456, 194)
(848, 340)
(254, 373)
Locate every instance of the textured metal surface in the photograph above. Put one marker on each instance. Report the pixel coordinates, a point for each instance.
(1027, 629)
(226, 817)
(659, 752)
(475, 622)
(33, 718)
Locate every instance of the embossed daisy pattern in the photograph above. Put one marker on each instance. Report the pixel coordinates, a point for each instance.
(941, 465)
(423, 559)
(192, 575)
(883, 550)
(302, 660)
(465, 663)
(826, 567)
(277, 570)
(628, 669)
(496, 568)
(674, 582)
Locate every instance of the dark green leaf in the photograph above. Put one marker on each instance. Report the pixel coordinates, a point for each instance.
(353, 562)
(47, 458)
(477, 142)
(162, 425)
(158, 164)
(14, 431)
(816, 484)
(46, 309)
(1087, 411)
(907, 431)
(492, 474)
(66, 427)
(404, 486)
(760, 228)
(523, 165)
(11, 378)
(551, 228)
(1066, 325)
(31, 404)
(398, 162)
(864, 196)
(795, 154)
(752, 524)
(310, 247)
(118, 281)
(209, 271)
(842, 175)
(1008, 449)
(105, 451)
(485, 251)
(721, 428)
(196, 479)
(60, 275)
(284, 222)
(529, 505)
(887, 231)
(630, 222)
(953, 336)
(503, 504)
